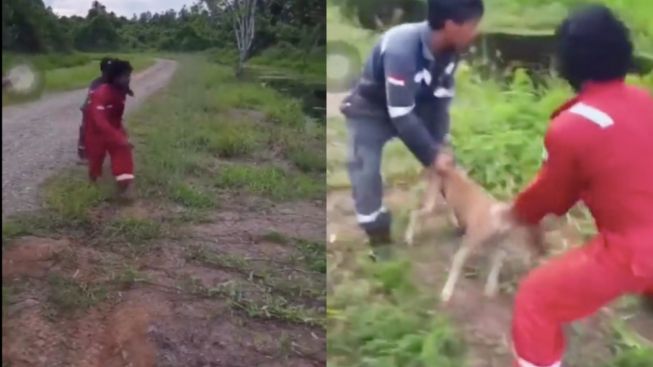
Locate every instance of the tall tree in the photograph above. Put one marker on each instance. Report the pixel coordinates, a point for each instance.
(242, 16)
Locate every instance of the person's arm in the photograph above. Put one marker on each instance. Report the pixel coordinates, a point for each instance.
(400, 95)
(558, 184)
(98, 109)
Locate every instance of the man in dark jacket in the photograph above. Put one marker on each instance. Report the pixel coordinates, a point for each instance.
(405, 92)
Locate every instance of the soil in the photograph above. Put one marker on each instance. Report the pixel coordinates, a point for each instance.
(157, 322)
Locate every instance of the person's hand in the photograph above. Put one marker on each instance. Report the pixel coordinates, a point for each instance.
(443, 162)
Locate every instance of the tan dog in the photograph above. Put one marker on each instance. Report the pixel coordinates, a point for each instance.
(482, 219)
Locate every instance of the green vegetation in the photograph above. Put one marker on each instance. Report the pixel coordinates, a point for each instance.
(539, 15)
(497, 128)
(518, 16)
(376, 317)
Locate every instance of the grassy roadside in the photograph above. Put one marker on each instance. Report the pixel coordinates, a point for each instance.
(208, 146)
(497, 130)
(66, 72)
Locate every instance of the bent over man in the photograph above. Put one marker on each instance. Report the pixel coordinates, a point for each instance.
(404, 92)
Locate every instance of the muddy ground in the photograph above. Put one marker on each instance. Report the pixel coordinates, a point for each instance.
(226, 292)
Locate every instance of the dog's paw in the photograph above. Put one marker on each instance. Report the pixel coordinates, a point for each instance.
(446, 294)
(332, 238)
(409, 239)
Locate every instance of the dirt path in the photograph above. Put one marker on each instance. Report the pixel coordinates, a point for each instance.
(484, 323)
(39, 138)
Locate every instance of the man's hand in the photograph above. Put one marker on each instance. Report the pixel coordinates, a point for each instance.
(444, 161)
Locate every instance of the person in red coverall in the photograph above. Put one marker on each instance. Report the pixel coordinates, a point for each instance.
(599, 149)
(104, 131)
(104, 63)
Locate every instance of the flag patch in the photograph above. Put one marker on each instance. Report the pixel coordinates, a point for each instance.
(396, 81)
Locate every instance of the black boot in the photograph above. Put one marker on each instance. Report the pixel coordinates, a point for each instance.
(380, 239)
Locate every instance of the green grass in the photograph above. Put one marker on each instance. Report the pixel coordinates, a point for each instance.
(269, 294)
(68, 295)
(309, 64)
(210, 117)
(540, 15)
(268, 181)
(71, 197)
(376, 317)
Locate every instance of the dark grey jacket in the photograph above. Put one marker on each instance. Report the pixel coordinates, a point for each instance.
(404, 85)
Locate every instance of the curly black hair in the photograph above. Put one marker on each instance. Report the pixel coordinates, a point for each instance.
(460, 11)
(117, 68)
(593, 45)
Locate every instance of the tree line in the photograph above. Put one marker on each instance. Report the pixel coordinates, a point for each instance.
(28, 26)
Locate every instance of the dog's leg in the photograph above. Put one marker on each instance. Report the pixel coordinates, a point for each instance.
(469, 243)
(430, 203)
(456, 269)
(492, 285)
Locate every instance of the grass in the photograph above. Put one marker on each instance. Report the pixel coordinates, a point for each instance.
(61, 72)
(269, 292)
(497, 128)
(537, 15)
(309, 64)
(267, 181)
(68, 296)
(219, 124)
(376, 317)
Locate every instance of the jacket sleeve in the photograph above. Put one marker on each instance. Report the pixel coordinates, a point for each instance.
(98, 110)
(400, 95)
(558, 184)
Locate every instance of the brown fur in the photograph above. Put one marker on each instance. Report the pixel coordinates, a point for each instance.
(477, 213)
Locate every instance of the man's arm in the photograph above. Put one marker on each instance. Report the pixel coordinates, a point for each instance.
(558, 185)
(400, 95)
(98, 109)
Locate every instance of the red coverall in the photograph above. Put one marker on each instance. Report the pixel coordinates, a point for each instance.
(599, 149)
(104, 133)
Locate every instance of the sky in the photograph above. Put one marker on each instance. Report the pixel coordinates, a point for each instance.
(120, 7)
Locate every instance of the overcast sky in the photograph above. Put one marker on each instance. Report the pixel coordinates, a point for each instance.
(120, 7)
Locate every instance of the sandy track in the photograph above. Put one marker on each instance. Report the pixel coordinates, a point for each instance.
(39, 138)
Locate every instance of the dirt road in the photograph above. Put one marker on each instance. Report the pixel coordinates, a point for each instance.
(39, 138)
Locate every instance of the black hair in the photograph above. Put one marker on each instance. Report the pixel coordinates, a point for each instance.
(459, 11)
(117, 68)
(104, 63)
(593, 45)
